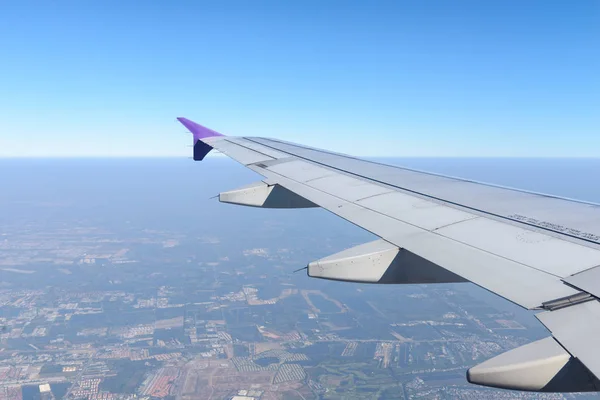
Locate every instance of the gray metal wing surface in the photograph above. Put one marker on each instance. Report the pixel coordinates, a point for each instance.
(539, 251)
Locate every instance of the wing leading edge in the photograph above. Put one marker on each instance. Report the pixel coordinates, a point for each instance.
(529, 248)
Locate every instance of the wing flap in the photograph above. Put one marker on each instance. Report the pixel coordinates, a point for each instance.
(588, 281)
(576, 328)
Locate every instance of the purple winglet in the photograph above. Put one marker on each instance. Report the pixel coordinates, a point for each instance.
(201, 149)
(199, 131)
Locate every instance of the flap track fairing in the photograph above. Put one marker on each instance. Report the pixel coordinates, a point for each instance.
(380, 262)
(261, 194)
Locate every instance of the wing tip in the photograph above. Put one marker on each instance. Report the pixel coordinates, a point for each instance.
(199, 131)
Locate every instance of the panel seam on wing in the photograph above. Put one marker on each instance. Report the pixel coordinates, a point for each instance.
(373, 195)
(456, 222)
(248, 148)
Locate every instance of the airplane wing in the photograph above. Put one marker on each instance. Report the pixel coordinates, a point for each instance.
(539, 251)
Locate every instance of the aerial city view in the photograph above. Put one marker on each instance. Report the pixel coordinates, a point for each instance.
(299, 200)
(110, 291)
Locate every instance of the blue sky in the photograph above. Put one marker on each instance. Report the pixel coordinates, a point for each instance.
(374, 78)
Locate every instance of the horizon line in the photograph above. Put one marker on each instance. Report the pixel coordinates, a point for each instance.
(63, 157)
